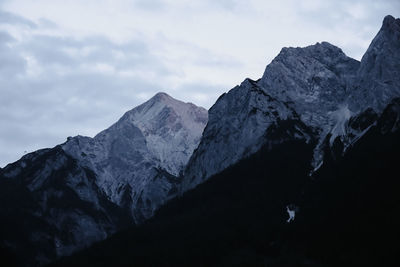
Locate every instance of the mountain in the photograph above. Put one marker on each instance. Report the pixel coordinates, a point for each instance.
(138, 159)
(346, 214)
(318, 84)
(296, 168)
(56, 201)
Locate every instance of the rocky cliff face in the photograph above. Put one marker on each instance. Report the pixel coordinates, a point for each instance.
(378, 77)
(318, 84)
(51, 206)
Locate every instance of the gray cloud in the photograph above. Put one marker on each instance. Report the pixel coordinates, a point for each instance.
(5, 38)
(10, 18)
(11, 63)
(46, 24)
(150, 5)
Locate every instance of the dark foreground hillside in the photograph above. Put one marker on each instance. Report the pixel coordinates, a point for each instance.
(348, 213)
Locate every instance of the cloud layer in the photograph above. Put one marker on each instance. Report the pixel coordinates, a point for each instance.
(76, 67)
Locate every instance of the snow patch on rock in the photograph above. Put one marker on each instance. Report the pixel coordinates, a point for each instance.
(291, 214)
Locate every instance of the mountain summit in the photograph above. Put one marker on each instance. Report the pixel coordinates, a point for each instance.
(379, 72)
(152, 140)
(172, 129)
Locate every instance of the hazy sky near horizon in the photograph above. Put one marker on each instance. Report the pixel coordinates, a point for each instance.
(74, 67)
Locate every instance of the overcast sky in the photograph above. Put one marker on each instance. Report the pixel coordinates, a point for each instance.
(74, 67)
